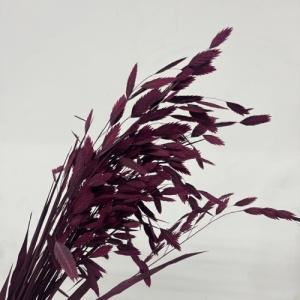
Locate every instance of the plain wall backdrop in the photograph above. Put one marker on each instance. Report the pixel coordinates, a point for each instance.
(61, 58)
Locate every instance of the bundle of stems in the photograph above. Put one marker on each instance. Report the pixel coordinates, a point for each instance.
(114, 187)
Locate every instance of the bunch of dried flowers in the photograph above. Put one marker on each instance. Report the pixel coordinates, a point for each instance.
(109, 189)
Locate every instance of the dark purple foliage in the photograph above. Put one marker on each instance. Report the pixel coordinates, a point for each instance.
(272, 213)
(131, 81)
(220, 37)
(104, 193)
(158, 82)
(204, 57)
(171, 65)
(238, 108)
(65, 259)
(184, 99)
(145, 102)
(117, 110)
(245, 201)
(88, 121)
(213, 139)
(255, 120)
(111, 136)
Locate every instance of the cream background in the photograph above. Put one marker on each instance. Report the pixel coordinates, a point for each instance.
(60, 58)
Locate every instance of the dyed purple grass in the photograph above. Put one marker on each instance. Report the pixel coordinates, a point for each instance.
(100, 194)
